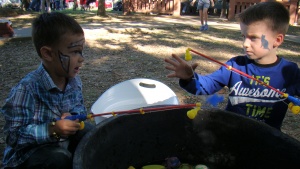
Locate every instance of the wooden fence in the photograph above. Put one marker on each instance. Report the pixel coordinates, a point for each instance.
(237, 6)
(172, 7)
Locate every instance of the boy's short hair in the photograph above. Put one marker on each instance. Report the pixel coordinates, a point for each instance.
(273, 12)
(48, 29)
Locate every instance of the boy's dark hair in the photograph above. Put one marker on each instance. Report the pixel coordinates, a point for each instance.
(48, 29)
(273, 12)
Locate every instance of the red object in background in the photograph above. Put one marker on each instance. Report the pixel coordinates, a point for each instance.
(82, 2)
(6, 30)
(108, 4)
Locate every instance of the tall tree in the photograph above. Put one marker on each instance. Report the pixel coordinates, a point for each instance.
(101, 8)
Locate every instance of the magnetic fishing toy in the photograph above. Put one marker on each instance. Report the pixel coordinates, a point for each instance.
(191, 113)
(294, 104)
(80, 117)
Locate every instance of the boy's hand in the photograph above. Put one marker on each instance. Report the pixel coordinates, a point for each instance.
(180, 67)
(66, 128)
(64, 115)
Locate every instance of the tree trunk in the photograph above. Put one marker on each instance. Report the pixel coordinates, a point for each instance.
(101, 8)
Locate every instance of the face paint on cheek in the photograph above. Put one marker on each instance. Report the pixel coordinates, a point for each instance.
(264, 42)
(65, 61)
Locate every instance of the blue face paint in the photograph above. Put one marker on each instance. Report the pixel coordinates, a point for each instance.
(264, 42)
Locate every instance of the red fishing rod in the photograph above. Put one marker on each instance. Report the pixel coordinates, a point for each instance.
(153, 109)
(191, 113)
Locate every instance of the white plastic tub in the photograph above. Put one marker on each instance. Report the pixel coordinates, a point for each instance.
(133, 94)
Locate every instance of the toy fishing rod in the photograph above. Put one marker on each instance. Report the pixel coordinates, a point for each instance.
(294, 105)
(153, 109)
(191, 113)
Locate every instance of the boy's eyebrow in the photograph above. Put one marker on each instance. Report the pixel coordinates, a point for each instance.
(78, 43)
(251, 35)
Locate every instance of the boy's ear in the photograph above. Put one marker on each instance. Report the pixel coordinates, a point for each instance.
(46, 53)
(279, 40)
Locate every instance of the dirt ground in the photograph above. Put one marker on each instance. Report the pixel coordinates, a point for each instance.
(116, 56)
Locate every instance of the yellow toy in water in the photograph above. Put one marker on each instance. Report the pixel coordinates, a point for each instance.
(200, 166)
(185, 166)
(153, 167)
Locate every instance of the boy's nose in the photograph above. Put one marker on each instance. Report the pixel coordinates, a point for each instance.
(246, 43)
(81, 58)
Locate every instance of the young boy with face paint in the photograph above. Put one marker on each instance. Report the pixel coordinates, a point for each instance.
(36, 107)
(263, 27)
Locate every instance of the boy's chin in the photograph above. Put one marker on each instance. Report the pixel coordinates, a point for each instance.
(249, 57)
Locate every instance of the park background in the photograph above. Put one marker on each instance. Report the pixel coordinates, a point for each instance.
(120, 48)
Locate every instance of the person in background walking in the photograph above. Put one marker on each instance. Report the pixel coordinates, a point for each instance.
(25, 4)
(35, 5)
(46, 6)
(203, 6)
(57, 4)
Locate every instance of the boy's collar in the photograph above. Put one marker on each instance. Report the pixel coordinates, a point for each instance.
(269, 65)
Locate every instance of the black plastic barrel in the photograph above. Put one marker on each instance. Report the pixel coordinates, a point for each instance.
(215, 138)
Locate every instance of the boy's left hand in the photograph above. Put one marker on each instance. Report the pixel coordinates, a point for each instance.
(180, 67)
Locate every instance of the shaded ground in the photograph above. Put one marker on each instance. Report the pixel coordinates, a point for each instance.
(115, 55)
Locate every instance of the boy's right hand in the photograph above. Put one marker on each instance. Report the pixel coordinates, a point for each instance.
(180, 67)
(66, 128)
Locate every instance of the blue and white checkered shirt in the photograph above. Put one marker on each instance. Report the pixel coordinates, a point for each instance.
(31, 105)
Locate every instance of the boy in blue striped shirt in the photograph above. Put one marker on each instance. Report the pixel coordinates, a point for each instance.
(263, 27)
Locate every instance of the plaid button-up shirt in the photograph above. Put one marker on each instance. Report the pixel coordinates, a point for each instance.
(30, 107)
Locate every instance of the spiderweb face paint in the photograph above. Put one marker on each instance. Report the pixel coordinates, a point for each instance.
(65, 61)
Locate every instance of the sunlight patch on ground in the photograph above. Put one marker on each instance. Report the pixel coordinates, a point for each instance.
(288, 52)
(101, 60)
(214, 39)
(101, 39)
(113, 46)
(225, 55)
(160, 51)
(91, 34)
(25, 16)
